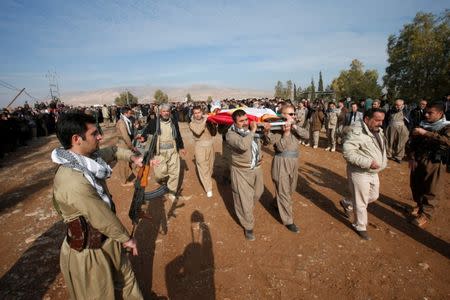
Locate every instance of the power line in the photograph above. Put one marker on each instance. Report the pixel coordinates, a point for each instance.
(13, 88)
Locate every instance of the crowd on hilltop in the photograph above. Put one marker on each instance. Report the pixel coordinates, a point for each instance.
(24, 123)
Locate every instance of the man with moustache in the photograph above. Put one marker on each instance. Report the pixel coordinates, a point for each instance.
(247, 181)
(168, 147)
(124, 129)
(365, 152)
(203, 132)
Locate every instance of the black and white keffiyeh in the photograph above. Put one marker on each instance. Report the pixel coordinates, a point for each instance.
(127, 123)
(93, 169)
(255, 148)
(436, 126)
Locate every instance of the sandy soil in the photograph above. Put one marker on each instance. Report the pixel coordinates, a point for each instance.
(195, 249)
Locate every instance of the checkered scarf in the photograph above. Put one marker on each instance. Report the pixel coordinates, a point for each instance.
(255, 148)
(93, 169)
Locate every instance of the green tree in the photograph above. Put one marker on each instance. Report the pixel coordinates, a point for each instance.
(419, 59)
(188, 97)
(126, 98)
(160, 97)
(312, 90)
(320, 87)
(357, 83)
(279, 90)
(210, 99)
(288, 90)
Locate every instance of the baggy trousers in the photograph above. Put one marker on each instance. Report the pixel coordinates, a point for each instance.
(331, 135)
(247, 186)
(364, 188)
(168, 168)
(284, 176)
(204, 160)
(96, 273)
(426, 185)
(397, 136)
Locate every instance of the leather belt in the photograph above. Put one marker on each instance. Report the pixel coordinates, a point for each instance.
(81, 235)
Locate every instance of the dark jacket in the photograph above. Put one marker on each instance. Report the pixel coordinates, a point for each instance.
(416, 116)
(150, 129)
(406, 119)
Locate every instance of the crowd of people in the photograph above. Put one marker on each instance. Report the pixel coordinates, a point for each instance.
(367, 132)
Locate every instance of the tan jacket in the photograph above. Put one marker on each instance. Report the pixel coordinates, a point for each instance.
(202, 135)
(122, 134)
(74, 196)
(361, 148)
(241, 149)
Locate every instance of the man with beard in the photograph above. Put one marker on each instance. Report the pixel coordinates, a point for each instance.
(397, 131)
(365, 153)
(203, 132)
(168, 147)
(247, 183)
(124, 128)
(92, 260)
(428, 154)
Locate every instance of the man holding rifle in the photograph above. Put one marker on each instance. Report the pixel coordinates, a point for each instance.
(169, 144)
(92, 259)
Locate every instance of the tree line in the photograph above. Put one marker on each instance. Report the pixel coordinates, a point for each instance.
(418, 67)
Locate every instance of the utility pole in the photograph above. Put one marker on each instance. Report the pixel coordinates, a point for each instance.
(12, 101)
(128, 101)
(53, 85)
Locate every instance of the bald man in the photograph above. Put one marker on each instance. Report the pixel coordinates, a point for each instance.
(397, 132)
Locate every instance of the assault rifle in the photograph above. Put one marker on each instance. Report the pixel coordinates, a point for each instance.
(140, 195)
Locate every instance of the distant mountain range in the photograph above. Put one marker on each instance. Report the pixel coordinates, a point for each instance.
(145, 94)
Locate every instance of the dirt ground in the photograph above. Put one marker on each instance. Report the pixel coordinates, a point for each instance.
(196, 249)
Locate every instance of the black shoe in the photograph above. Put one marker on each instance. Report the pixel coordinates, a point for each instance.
(397, 160)
(249, 235)
(292, 227)
(347, 208)
(364, 235)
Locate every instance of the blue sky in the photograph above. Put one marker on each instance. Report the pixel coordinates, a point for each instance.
(93, 44)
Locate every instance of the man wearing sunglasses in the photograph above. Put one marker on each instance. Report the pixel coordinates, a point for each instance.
(285, 165)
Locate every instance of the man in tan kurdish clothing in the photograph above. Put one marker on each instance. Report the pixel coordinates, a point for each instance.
(93, 262)
(285, 164)
(124, 128)
(204, 150)
(247, 181)
(169, 145)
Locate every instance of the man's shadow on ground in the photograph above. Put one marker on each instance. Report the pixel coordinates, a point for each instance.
(146, 234)
(191, 274)
(331, 180)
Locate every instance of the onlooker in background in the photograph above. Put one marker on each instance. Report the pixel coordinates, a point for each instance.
(397, 120)
(331, 116)
(316, 118)
(417, 115)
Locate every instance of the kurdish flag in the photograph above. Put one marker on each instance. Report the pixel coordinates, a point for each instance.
(223, 117)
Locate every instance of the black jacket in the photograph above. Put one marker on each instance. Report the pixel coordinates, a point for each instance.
(151, 128)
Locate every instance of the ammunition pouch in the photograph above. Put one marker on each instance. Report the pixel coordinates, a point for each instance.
(81, 235)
